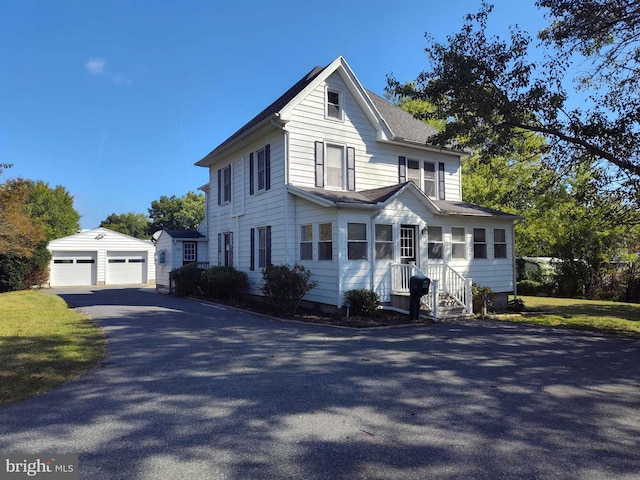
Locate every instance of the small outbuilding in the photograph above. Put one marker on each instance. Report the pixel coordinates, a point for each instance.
(101, 257)
(176, 248)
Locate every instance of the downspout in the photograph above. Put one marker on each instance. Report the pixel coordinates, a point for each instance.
(372, 249)
(280, 124)
(514, 263)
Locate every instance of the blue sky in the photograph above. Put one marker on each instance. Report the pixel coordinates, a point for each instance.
(116, 100)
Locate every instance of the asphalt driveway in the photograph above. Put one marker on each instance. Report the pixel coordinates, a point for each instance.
(195, 391)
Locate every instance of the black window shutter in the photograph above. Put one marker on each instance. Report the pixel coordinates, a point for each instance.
(252, 261)
(219, 249)
(251, 173)
(320, 164)
(267, 167)
(219, 187)
(351, 168)
(441, 194)
(230, 249)
(268, 259)
(402, 169)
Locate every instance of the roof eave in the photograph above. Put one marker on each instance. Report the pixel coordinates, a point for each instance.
(425, 146)
(273, 120)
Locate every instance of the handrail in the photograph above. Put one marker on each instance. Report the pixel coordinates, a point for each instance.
(401, 274)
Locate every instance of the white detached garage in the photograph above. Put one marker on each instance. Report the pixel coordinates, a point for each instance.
(101, 257)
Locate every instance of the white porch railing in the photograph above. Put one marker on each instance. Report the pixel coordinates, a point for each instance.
(453, 284)
(401, 273)
(444, 279)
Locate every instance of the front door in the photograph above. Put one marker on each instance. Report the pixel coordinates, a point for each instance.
(408, 244)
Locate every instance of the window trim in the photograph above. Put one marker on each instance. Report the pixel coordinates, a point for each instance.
(330, 242)
(263, 260)
(431, 242)
(193, 257)
(479, 245)
(307, 243)
(459, 243)
(343, 166)
(501, 244)
(225, 179)
(420, 182)
(340, 105)
(384, 242)
(356, 242)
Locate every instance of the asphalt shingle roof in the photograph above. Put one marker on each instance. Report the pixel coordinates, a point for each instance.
(403, 125)
(184, 234)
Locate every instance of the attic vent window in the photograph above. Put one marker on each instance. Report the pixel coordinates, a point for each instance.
(334, 109)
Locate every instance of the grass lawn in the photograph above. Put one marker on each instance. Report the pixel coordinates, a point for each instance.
(43, 343)
(595, 315)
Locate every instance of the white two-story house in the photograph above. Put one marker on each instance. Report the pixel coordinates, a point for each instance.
(338, 179)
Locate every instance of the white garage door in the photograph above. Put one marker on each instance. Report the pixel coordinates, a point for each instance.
(73, 268)
(126, 267)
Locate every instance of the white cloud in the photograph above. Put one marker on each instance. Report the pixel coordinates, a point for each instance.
(96, 66)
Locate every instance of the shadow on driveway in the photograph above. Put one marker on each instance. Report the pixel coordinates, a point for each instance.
(190, 390)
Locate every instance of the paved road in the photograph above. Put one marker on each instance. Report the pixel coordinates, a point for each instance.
(194, 391)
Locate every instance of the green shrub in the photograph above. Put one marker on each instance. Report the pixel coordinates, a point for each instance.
(20, 273)
(187, 280)
(528, 287)
(538, 289)
(363, 302)
(224, 283)
(478, 297)
(285, 286)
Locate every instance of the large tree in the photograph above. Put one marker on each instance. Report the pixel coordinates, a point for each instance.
(134, 224)
(177, 213)
(52, 208)
(19, 233)
(492, 90)
(24, 258)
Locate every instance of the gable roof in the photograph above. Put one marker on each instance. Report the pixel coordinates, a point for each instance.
(95, 236)
(190, 234)
(402, 126)
(379, 197)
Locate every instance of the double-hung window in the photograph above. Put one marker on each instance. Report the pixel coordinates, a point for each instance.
(429, 184)
(260, 170)
(306, 242)
(357, 244)
(335, 166)
(334, 104)
(479, 243)
(458, 243)
(225, 249)
(499, 243)
(384, 242)
(424, 174)
(224, 185)
(413, 171)
(325, 241)
(435, 248)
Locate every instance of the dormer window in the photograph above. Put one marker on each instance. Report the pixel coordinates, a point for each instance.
(334, 104)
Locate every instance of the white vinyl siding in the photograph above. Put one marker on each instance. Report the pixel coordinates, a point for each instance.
(95, 245)
(376, 163)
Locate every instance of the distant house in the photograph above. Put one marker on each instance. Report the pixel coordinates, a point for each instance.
(338, 179)
(175, 249)
(101, 257)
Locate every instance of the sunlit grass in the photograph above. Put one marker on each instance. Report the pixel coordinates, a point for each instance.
(594, 315)
(43, 343)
